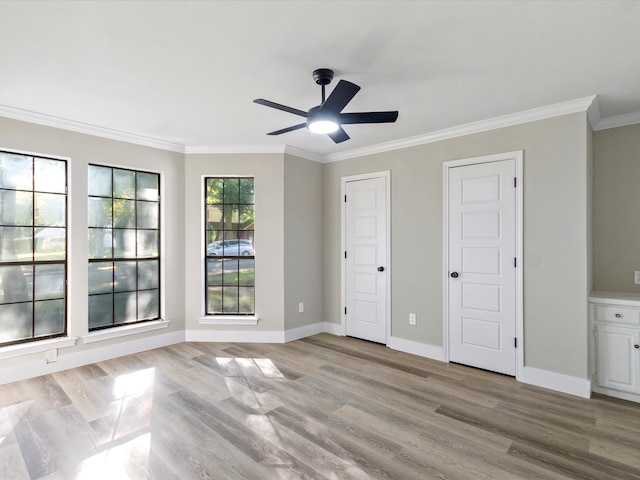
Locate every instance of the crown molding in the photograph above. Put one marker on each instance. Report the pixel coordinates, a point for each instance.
(618, 121)
(235, 149)
(542, 113)
(593, 113)
(589, 104)
(298, 152)
(285, 149)
(79, 127)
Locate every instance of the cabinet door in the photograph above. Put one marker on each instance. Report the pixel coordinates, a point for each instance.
(618, 358)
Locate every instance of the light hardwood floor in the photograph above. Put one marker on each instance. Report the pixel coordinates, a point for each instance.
(324, 407)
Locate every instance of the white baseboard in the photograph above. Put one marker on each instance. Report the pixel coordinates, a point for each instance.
(542, 378)
(559, 382)
(632, 397)
(240, 336)
(37, 368)
(302, 332)
(416, 348)
(532, 376)
(234, 336)
(333, 329)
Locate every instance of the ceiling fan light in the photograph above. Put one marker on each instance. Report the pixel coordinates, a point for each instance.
(323, 126)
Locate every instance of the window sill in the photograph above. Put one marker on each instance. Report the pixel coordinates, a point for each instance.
(228, 320)
(36, 346)
(115, 332)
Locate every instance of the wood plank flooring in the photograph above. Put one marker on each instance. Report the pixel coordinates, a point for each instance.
(324, 407)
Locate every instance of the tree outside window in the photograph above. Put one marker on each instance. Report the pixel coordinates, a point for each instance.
(124, 246)
(229, 248)
(33, 247)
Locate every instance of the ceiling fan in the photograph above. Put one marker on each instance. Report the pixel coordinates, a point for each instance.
(328, 117)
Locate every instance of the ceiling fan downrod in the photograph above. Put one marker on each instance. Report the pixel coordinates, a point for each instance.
(322, 77)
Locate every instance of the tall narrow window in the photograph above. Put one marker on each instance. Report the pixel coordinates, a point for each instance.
(229, 256)
(33, 248)
(124, 246)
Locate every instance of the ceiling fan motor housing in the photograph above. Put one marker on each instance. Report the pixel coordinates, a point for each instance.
(323, 76)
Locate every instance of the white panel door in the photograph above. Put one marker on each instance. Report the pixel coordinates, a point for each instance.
(366, 276)
(482, 274)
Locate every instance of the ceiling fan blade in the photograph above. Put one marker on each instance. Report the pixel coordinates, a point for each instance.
(368, 117)
(277, 106)
(339, 135)
(288, 129)
(341, 95)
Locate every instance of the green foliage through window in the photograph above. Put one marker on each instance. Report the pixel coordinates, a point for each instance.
(229, 248)
(124, 246)
(33, 247)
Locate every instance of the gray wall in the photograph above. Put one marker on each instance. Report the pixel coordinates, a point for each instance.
(268, 171)
(556, 256)
(82, 150)
(303, 257)
(556, 228)
(616, 217)
(288, 238)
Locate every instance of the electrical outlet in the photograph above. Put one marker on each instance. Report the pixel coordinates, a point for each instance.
(412, 319)
(636, 277)
(300, 307)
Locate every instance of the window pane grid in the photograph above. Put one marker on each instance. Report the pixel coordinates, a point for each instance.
(124, 246)
(229, 252)
(33, 248)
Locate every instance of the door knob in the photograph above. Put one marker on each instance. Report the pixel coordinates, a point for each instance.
(381, 269)
(636, 346)
(454, 274)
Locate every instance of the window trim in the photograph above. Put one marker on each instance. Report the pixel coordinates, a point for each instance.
(36, 346)
(124, 330)
(229, 319)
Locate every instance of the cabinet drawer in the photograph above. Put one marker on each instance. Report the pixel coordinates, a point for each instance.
(606, 313)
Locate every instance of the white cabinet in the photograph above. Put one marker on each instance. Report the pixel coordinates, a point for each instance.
(615, 347)
(617, 356)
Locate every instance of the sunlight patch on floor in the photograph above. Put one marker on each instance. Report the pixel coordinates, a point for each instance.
(10, 416)
(116, 462)
(134, 383)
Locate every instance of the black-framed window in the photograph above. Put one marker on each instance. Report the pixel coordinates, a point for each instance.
(229, 251)
(124, 246)
(33, 247)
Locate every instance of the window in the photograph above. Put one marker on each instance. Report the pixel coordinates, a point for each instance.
(33, 248)
(229, 255)
(124, 246)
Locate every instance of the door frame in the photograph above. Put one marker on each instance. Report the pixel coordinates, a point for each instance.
(386, 174)
(518, 157)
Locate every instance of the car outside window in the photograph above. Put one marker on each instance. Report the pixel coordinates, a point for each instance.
(229, 248)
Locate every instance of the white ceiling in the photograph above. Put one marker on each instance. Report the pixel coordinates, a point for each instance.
(186, 72)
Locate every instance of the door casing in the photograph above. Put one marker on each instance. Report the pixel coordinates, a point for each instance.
(343, 243)
(518, 158)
